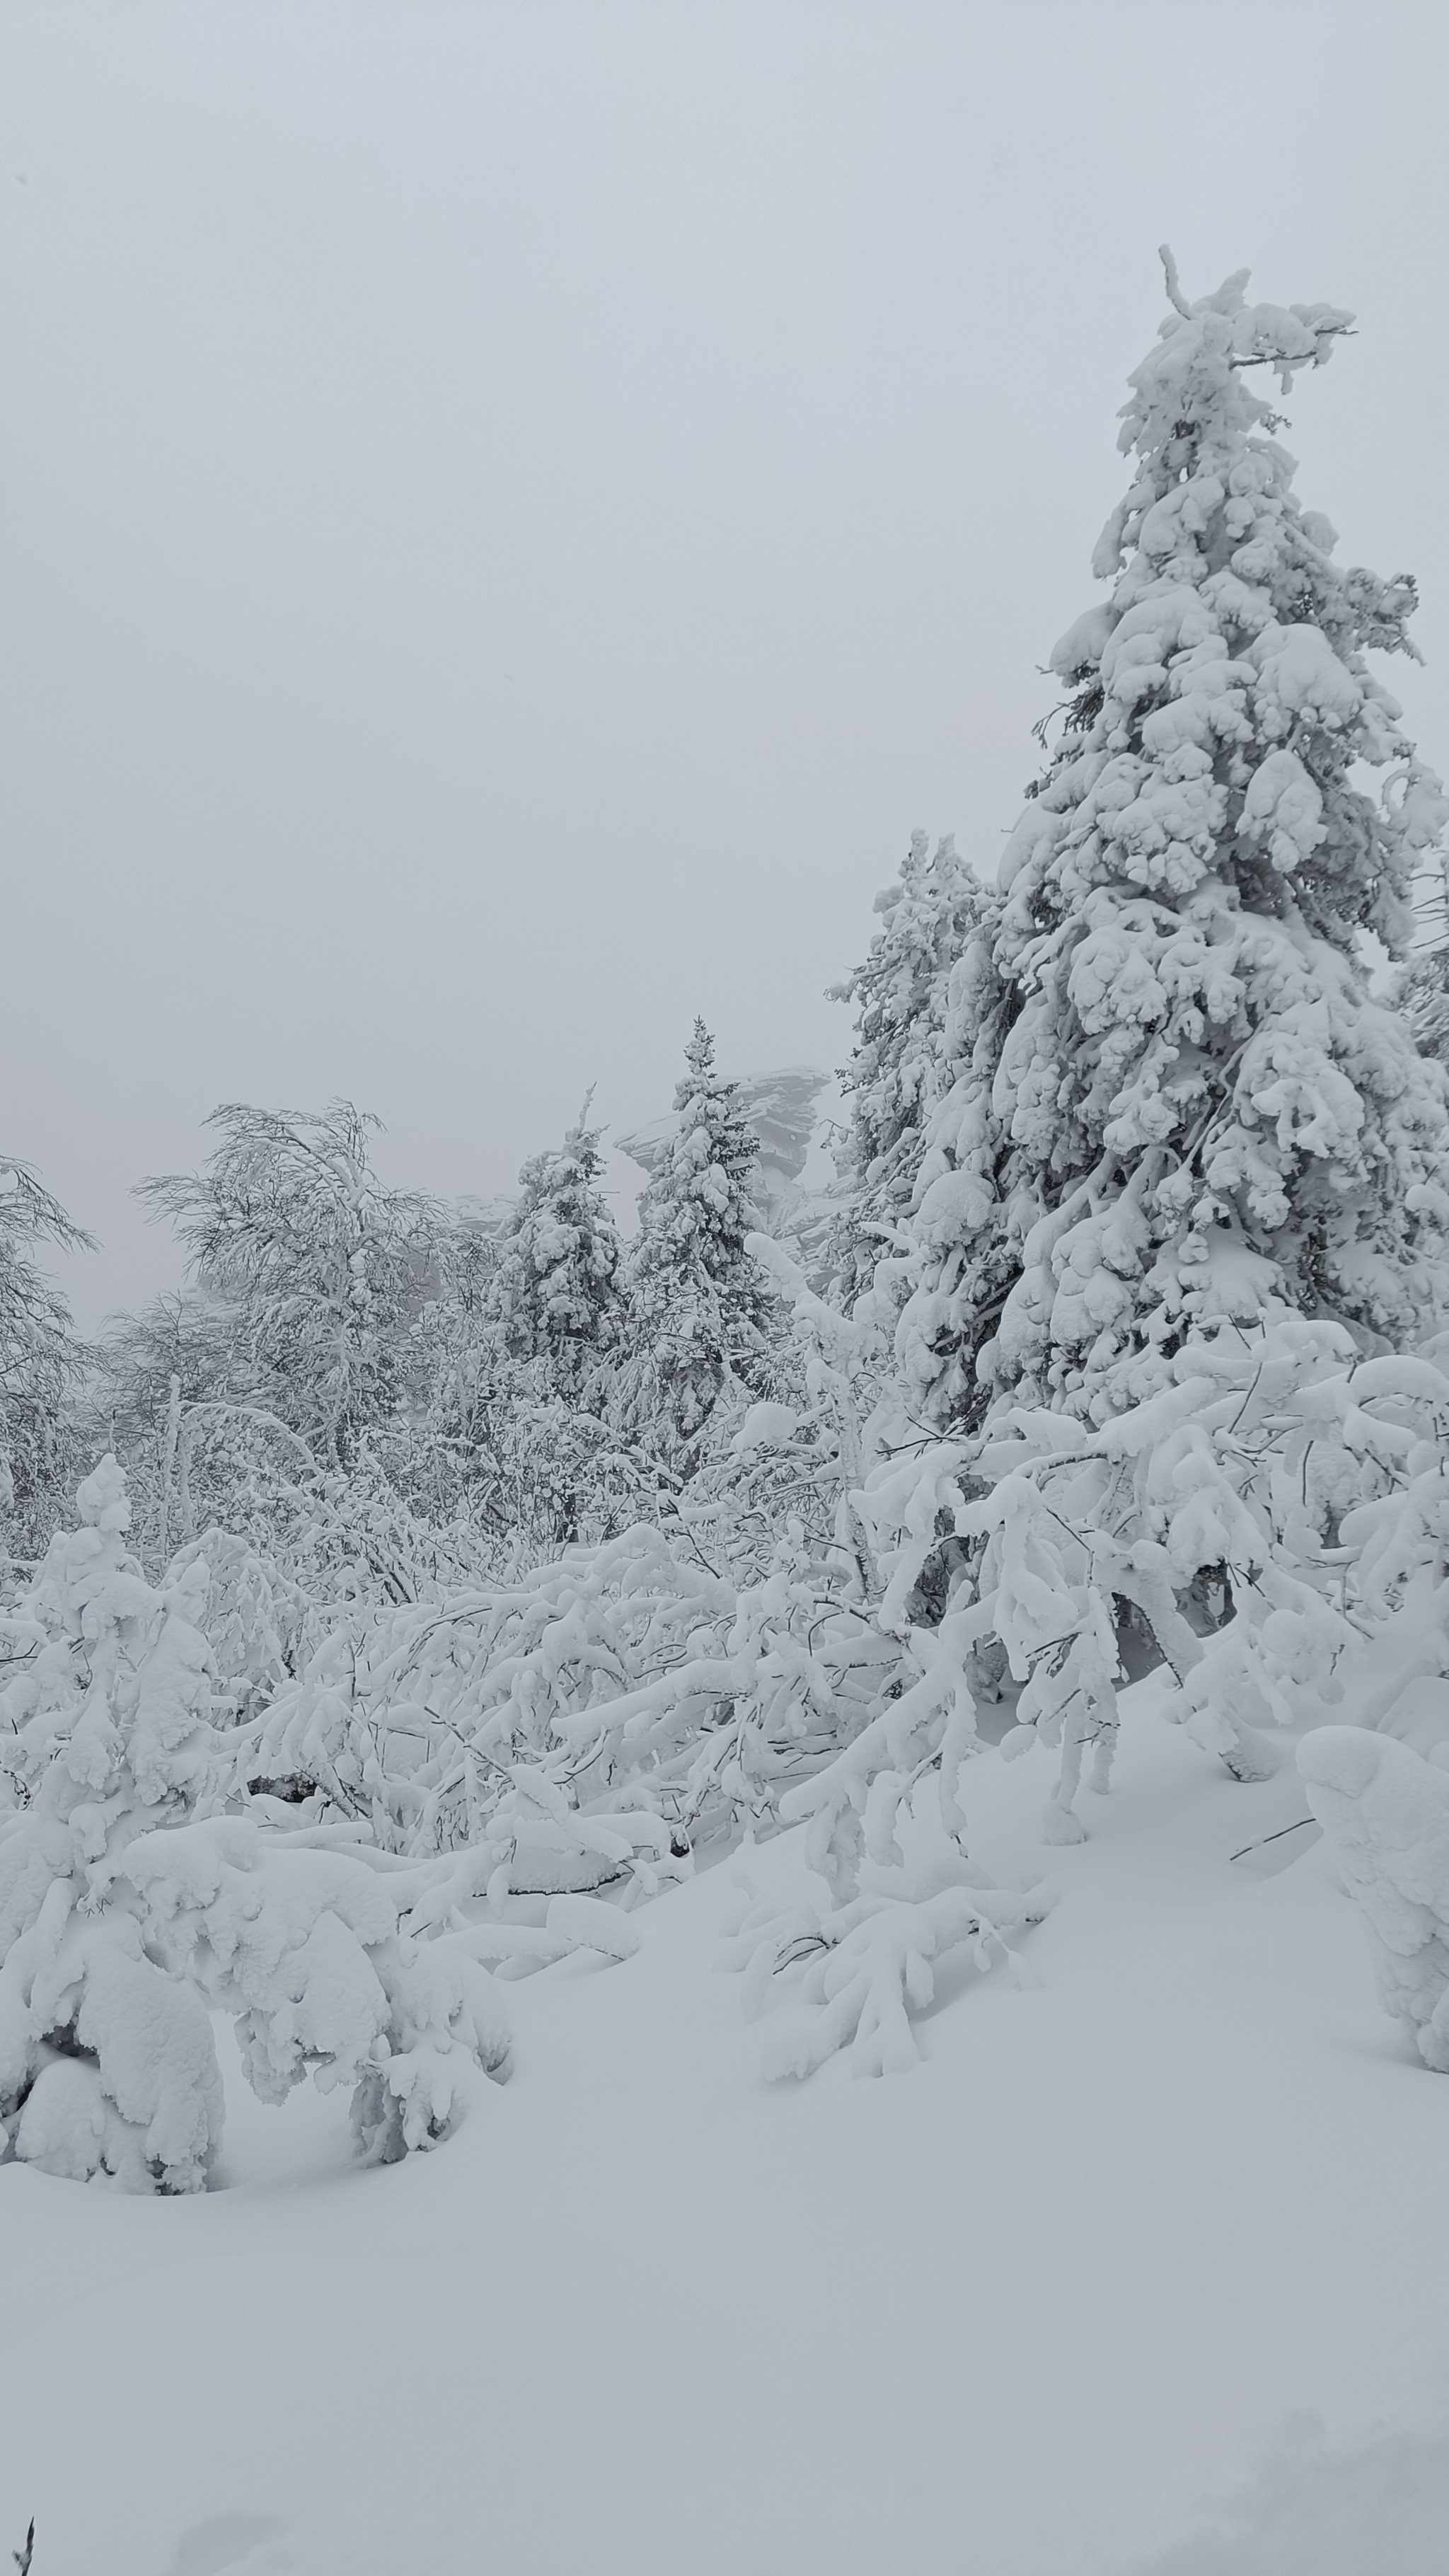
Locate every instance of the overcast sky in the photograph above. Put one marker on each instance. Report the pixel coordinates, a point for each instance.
(513, 512)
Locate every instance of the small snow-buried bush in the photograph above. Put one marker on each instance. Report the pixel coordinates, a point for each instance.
(131, 1899)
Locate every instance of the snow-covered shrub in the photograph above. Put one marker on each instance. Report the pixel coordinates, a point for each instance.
(127, 1895)
(304, 1947)
(1275, 1519)
(106, 2063)
(1385, 1812)
(545, 1472)
(633, 1697)
(1265, 1516)
(861, 1969)
(251, 1618)
(353, 1538)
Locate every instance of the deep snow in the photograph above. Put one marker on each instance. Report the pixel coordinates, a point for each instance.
(1143, 2269)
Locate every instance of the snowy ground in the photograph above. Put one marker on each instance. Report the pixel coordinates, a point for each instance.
(1143, 2270)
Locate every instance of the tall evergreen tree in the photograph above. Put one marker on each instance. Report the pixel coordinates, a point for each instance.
(1188, 1105)
(554, 1295)
(700, 1309)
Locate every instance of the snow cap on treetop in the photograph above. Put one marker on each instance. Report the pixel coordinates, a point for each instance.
(102, 1501)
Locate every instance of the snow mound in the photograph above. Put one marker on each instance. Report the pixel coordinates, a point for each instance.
(1386, 1814)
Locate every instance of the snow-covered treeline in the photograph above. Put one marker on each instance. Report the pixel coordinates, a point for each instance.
(488, 1568)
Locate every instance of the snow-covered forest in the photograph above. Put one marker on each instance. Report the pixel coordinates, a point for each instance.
(964, 1554)
(416, 1566)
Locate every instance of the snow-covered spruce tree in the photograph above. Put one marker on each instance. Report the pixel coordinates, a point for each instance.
(1180, 1161)
(127, 1896)
(1424, 1002)
(554, 1295)
(897, 1069)
(42, 1363)
(1191, 1106)
(700, 1311)
(323, 1268)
